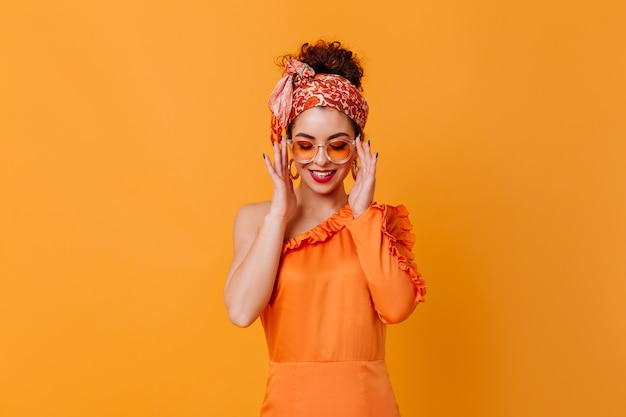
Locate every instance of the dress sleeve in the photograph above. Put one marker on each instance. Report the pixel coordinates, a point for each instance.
(383, 239)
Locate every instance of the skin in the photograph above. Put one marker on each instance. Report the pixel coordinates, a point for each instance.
(261, 228)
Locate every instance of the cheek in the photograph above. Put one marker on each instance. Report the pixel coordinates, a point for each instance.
(344, 169)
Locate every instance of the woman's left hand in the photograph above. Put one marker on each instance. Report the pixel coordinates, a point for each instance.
(362, 192)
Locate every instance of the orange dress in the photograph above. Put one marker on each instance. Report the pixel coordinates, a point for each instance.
(337, 286)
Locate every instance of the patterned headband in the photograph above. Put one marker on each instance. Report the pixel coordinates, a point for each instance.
(300, 89)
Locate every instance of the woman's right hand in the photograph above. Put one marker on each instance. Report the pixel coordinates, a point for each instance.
(284, 200)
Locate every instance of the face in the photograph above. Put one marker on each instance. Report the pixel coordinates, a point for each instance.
(322, 125)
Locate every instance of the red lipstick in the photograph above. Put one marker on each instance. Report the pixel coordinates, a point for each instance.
(322, 176)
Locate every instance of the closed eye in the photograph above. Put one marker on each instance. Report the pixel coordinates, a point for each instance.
(304, 145)
(338, 145)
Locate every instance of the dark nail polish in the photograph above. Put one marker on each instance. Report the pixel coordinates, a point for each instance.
(368, 143)
(376, 154)
(263, 156)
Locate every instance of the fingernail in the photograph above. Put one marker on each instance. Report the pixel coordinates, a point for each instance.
(376, 154)
(368, 143)
(263, 156)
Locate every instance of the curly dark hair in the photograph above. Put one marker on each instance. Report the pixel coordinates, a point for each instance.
(329, 58)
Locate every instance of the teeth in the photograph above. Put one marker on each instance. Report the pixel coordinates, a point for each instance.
(322, 174)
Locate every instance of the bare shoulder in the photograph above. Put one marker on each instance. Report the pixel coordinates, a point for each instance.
(247, 226)
(250, 216)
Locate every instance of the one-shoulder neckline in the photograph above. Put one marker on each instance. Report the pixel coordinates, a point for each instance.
(322, 231)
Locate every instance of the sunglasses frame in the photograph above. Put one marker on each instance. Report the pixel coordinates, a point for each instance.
(350, 142)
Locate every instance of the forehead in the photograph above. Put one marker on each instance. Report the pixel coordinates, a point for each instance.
(321, 122)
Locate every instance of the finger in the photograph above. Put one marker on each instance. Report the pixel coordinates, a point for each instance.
(365, 157)
(278, 160)
(359, 146)
(270, 168)
(374, 163)
(368, 150)
(370, 165)
(284, 152)
(372, 158)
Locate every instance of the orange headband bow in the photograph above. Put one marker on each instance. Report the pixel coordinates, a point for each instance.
(300, 89)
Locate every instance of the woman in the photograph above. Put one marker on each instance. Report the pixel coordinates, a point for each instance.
(324, 270)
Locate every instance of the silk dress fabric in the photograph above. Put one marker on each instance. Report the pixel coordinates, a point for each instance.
(338, 285)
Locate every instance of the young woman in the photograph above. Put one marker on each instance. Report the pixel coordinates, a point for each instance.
(324, 270)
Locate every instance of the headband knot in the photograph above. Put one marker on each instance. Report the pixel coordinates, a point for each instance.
(300, 88)
(299, 70)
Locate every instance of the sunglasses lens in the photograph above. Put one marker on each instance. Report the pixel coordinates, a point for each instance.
(303, 150)
(339, 150)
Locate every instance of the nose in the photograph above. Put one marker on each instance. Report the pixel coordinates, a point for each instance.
(320, 158)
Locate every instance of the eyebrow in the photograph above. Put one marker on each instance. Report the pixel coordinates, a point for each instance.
(334, 136)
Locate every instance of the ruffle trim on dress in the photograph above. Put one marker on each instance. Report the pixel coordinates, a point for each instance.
(397, 227)
(322, 231)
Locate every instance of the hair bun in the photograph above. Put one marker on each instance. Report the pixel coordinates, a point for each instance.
(330, 58)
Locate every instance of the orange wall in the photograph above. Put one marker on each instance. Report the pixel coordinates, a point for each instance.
(131, 131)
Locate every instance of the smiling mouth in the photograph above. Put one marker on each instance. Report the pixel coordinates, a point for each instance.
(322, 176)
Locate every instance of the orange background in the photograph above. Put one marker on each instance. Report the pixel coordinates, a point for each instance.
(131, 131)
